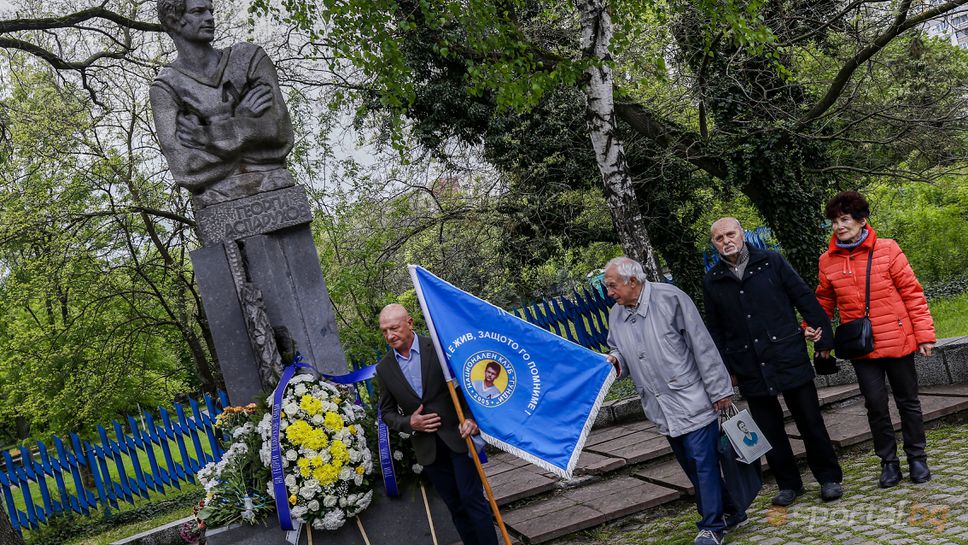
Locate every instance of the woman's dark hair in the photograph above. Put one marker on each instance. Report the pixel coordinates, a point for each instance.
(848, 202)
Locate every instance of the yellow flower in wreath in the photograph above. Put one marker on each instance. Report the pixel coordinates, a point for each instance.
(311, 405)
(339, 453)
(326, 474)
(333, 421)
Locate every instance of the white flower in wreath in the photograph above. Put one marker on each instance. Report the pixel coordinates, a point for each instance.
(343, 501)
(291, 481)
(345, 473)
(417, 469)
(271, 490)
(308, 492)
(357, 479)
(300, 389)
(313, 505)
(292, 455)
(397, 455)
(365, 501)
(355, 455)
(298, 512)
(332, 521)
(404, 435)
(291, 408)
(330, 501)
(318, 419)
(367, 457)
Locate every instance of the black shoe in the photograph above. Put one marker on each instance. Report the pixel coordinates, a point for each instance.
(831, 491)
(890, 474)
(919, 471)
(786, 497)
(735, 520)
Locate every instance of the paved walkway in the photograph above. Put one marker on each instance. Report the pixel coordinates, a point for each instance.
(934, 513)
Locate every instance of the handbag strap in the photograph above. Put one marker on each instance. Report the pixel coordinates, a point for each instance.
(867, 295)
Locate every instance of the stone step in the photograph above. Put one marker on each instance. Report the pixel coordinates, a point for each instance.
(613, 449)
(581, 508)
(669, 474)
(512, 479)
(954, 390)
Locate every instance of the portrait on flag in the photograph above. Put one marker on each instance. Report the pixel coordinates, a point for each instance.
(532, 393)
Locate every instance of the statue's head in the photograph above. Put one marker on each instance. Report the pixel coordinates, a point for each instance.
(191, 19)
(170, 12)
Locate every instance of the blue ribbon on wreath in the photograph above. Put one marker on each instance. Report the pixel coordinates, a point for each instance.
(383, 436)
(278, 476)
(382, 431)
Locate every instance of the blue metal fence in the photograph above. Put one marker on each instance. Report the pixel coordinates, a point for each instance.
(582, 319)
(78, 477)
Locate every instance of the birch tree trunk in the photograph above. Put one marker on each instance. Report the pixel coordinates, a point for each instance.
(627, 217)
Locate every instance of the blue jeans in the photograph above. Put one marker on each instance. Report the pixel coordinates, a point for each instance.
(455, 478)
(697, 454)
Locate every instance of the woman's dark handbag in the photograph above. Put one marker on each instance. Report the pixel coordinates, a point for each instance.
(825, 366)
(855, 338)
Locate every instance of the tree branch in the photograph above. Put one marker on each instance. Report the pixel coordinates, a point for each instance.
(48, 23)
(686, 145)
(901, 23)
(57, 62)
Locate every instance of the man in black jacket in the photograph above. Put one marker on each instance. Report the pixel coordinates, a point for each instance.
(751, 298)
(414, 399)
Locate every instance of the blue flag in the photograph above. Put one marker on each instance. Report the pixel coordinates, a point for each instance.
(533, 394)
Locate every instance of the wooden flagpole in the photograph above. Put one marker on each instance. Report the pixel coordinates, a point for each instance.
(477, 463)
(442, 359)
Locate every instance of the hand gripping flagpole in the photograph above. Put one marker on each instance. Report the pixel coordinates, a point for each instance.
(442, 359)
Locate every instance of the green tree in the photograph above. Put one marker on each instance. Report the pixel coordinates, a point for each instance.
(768, 99)
(95, 290)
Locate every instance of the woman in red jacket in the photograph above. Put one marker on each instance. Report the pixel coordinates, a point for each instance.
(901, 324)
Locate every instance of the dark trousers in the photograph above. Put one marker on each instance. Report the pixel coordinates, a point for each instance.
(805, 408)
(697, 454)
(903, 377)
(455, 478)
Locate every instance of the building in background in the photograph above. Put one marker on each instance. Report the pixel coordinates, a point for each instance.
(953, 26)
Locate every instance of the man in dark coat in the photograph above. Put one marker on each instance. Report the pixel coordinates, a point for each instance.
(414, 399)
(751, 298)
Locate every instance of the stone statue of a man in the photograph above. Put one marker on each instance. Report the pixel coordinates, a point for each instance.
(220, 117)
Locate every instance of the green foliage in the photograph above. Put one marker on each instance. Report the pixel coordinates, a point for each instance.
(89, 306)
(75, 528)
(950, 316)
(928, 221)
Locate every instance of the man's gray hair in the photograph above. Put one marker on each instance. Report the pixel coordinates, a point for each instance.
(170, 11)
(627, 268)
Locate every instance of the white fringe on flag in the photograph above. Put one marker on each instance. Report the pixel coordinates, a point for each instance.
(567, 472)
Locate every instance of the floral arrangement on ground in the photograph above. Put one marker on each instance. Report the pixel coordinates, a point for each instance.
(325, 457)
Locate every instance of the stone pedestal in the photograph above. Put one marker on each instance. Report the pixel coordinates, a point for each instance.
(388, 521)
(275, 254)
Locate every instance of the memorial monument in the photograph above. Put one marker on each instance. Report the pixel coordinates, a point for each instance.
(224, 128)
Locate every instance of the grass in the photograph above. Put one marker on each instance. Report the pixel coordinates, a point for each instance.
(950, 316)
(123, 505)
(134, 528)
(104, 529)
